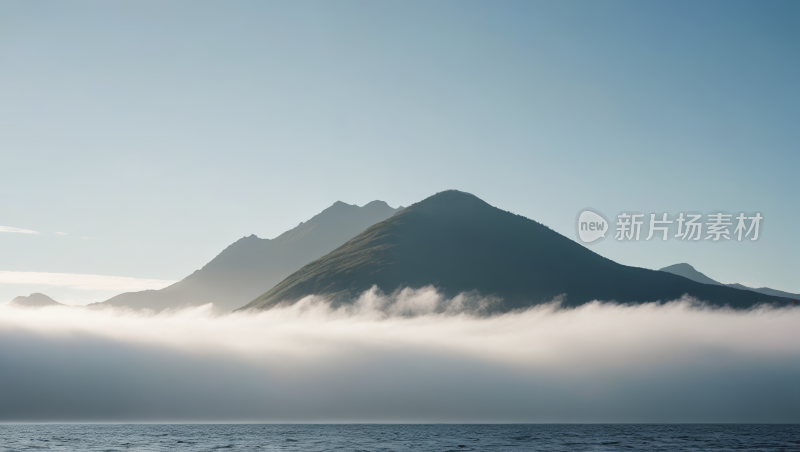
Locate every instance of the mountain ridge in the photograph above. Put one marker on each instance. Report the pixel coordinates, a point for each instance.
(687, 271)
(251, 265)
(459, 243)
(35, 300)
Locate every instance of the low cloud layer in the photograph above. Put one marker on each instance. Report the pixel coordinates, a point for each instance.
(409, 357)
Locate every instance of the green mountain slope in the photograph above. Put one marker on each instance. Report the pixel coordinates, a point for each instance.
(459, 243)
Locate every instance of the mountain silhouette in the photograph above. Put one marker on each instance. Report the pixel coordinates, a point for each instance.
(459, 243)
(252, 265)
(35, 300)
(687, 271)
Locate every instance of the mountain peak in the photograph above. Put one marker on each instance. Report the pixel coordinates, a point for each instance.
(687, 271)
(681, 266)
(35, 300)
(451, 203)
(452, 196)
(341, 205)
(458, 243)
(376, 204)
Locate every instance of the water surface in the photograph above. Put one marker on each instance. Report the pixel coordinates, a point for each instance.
(552, 437)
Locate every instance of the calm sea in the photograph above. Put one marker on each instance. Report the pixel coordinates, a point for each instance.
(104, 437)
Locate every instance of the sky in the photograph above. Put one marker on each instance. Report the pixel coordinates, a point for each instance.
(139, 139)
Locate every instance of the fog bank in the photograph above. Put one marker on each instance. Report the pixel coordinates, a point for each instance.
(409, 357)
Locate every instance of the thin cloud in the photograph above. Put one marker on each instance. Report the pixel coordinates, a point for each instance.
(412, 356)
(82, 281)
(61, 233)
(17, 230)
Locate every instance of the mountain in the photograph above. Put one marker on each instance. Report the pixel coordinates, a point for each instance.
(687, 271)
(253, 265)
(35, 300)
(459, 243)
(766, 291)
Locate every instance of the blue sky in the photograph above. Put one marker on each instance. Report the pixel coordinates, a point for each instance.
(164, 131)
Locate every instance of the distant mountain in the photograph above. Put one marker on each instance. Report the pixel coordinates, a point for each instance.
(253, 265)
(687, 271)
(35, 300)
(458, 243)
